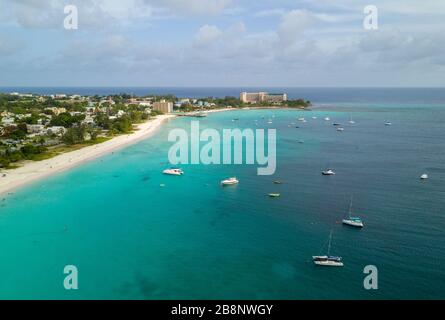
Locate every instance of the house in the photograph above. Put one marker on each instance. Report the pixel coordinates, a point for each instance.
(35, 128)
(7, 121)
(88, 120)
(56, 111)
(57, 130)
(109, 101)
(120, 113)
(7, 114)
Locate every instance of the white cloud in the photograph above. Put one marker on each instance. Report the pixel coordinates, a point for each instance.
(293, 24)
(270, 13)
(207, 35)
(192, 7)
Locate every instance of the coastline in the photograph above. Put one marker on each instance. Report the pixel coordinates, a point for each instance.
(32, 171)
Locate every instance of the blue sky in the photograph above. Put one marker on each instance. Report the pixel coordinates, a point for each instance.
(222, 43)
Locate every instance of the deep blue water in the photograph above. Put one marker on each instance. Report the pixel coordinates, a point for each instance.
(133, 239)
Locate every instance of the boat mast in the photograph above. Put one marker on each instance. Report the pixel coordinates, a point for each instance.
(350, 207)
(329, 244)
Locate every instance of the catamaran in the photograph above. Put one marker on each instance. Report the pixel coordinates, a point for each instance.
(328, 260)
(352, 221)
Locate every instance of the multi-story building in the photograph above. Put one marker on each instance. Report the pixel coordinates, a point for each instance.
(255, 97)
(163, 106)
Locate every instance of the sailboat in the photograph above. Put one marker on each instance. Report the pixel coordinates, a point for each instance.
(328, 260)
(351, 121)
(352, 221)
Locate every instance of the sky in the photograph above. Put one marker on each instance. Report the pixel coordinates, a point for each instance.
(167, 43)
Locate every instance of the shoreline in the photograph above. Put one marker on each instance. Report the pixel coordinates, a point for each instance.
(32, 171)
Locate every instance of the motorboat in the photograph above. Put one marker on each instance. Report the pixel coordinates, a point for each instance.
(230, 181)
(328, 172)
(173, 172)
(424, 176)
(274, 195)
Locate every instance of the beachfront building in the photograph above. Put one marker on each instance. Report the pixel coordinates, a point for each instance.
(163, 106)
(256, 97)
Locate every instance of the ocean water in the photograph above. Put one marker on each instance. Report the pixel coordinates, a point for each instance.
(130, 238)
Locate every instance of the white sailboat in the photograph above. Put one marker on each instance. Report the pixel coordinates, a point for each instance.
(328, 260)
(352, 221)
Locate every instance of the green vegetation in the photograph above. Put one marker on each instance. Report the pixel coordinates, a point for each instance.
(66, 120)
(27, 152)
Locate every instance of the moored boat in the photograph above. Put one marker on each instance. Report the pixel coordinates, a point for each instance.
(230, 181)
(352, 221)
(328, 260)
(328, 172)
(173, 172)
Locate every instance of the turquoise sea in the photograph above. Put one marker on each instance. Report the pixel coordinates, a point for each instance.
(130, 238)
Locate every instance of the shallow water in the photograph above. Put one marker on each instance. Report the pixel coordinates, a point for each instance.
(131, 238)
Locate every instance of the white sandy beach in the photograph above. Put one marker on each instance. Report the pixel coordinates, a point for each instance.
(33, 170)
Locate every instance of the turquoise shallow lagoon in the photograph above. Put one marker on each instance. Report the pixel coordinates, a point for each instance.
(192, 239)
